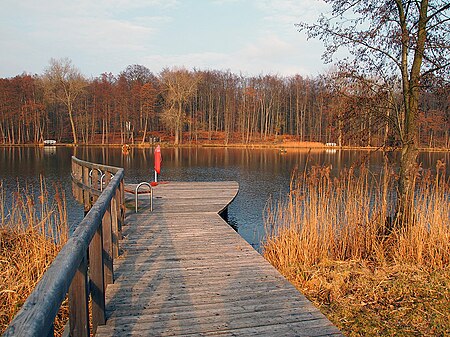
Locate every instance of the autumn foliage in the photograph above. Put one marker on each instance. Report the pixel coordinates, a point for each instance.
(136, 105)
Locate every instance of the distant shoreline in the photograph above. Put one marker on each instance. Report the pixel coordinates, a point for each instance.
(277, 146)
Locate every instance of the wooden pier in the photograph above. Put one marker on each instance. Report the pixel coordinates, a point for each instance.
(178, 270)
(184, 271)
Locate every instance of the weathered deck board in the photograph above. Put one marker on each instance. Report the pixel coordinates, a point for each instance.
(184, 271)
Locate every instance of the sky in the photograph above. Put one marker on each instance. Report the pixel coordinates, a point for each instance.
(251, 37)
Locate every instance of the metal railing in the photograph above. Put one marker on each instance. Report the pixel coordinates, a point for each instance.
(84, 266)
(150, 192)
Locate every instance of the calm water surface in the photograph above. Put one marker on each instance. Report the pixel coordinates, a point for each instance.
(261, 173)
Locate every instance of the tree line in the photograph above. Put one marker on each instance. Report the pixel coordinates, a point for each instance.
(209, 105)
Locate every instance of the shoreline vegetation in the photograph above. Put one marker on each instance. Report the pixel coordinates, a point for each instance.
(189, 105)
(334, 239)
(31, 234)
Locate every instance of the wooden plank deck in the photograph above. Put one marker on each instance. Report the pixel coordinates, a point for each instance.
(184, 271)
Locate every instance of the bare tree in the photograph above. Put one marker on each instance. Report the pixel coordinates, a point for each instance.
(407, 39)
(179, 85)
(138, 73)
(64, 82)
(148, 100)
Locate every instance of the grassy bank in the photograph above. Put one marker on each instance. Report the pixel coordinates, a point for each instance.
(334, 239)
(32, 232)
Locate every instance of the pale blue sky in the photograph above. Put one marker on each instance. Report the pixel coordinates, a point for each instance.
(249, 36)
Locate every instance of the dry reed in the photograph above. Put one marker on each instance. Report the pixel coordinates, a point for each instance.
(335, 240)
(31, 234)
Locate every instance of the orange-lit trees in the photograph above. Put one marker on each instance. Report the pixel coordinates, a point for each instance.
(102, 105)
(148, 95)
(179, 86)
(134, 119)
(64, 82)
(33, 111)
(23, 117)
(7, 111)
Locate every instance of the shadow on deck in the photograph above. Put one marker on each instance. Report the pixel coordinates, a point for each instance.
(184, 271)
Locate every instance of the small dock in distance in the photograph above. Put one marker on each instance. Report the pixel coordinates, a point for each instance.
(184, 271)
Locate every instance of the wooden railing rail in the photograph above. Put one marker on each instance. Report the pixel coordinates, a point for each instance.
(84, 266)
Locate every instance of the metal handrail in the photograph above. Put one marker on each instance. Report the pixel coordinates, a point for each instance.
(102, 182)
(151, 195)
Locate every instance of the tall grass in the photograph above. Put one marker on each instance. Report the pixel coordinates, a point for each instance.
(336, 239)
(350, 218)
(32, 231)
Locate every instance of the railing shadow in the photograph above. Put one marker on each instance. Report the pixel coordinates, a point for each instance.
(149, 275)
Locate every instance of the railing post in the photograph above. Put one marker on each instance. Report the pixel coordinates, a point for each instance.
(95, 179)
(74, 185)
(77, 174)
(95, 185)
(122, 208)
(97, 284)
(80, 177)
(78, 302)
(115, 224)
(107, 248)
(86, 194)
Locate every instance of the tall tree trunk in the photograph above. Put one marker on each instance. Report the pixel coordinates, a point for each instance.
(144, 134)
(179, 126)
(408, 159)
(72, 122)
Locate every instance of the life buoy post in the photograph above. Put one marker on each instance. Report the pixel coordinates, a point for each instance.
(158, 160)
(125, 149)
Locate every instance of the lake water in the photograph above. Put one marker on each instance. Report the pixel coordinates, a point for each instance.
(261, 173)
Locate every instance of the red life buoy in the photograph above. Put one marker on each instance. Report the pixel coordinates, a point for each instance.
(158, 159)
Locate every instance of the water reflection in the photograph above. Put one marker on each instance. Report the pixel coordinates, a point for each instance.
(261, 173)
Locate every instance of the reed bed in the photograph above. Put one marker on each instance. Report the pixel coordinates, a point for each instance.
(32, 231)
(336, 240)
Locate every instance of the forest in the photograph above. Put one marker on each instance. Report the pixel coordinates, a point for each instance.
(200, 106)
